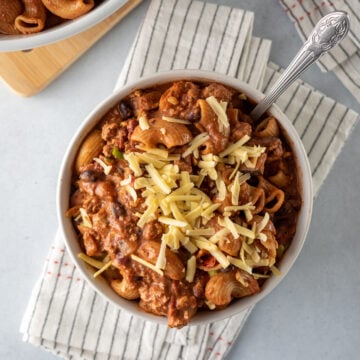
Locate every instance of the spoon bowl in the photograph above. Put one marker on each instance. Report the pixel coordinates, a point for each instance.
(328, 32)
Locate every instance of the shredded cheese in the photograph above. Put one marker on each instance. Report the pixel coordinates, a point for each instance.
(210, 305)
(235, 189)
(126, 181)
(150, 159)
(104, 268)
(248, 214)
(91, 261)
(133, 163)
(221, 187)
(174, 198)
(275, 270)
(188, 245)
(190, 269)
(161, 260)
(200, 232)
(240, 264)
(107, 168)
(132, 192)
(143, 123)
(219, 235)
(231, 226)
(202, 243)
(218, 110)
(158, 180)
(231, 148)
(148, 214)
(147, 264)
(260, 227)
(244, 207)
(171, 221)
(195, 143)
(85, 218)
(174, 120)
(208, 213)
(221, 258)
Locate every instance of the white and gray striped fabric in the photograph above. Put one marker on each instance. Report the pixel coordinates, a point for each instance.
(64, 315)
(344, 59)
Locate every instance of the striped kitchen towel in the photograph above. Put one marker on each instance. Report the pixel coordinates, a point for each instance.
(344, 59)
(197, 35)
(65, 316)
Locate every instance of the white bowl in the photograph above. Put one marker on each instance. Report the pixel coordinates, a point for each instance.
(64, 186)
(60, 32)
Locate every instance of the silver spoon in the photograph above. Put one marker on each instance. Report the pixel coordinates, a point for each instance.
(328, 32)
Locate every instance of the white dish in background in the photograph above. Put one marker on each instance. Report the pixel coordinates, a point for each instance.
(64, 188)
(60, 32)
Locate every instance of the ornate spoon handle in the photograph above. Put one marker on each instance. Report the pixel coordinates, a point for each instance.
(329, 31)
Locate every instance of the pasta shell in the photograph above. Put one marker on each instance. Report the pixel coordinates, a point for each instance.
(274, 197)
(280, 179)
(174, 268)
(162, 132)
(257, 198)
(32, 20)
(9, 10)
(219, 288)
(124, 289)
(230, 245)
(268, 127)
(90, 148)
(69, 9)
(223, 287)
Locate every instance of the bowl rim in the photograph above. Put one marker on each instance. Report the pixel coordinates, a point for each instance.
(63, 192)
(69, 28)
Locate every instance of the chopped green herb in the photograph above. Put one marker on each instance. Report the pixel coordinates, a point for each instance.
(212, 272)
(117, 153)
(280, 251)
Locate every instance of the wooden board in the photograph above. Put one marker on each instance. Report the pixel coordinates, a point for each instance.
(27, 73)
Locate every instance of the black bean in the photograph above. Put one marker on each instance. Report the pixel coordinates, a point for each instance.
(193, 115)
(125, 111)
(117, 209)
(88, 175)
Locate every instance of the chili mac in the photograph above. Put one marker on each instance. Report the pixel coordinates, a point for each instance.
(181, 201)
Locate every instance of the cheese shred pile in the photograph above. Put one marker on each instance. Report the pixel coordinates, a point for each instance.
(175, 199)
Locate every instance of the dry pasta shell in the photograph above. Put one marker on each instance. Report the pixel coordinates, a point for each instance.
(69, 9)
(33, 19)
(91, 147)
(9, 10)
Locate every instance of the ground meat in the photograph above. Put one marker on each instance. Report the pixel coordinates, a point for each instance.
(152, 231)
(182, 306)
(116, 135)
(180, 101)
(154, 292)
(240, 130)
(221, 92)
(120, 243)
(123, 239)
(144, 101)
